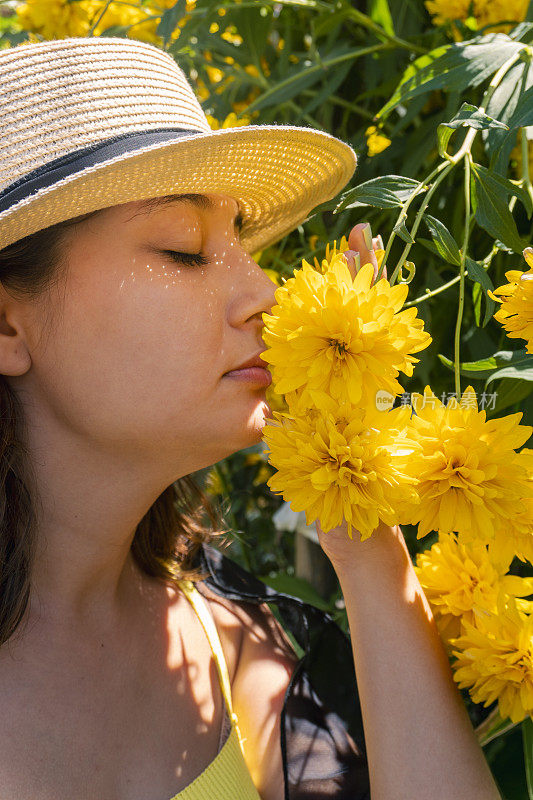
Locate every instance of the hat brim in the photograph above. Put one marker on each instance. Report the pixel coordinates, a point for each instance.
(277, 174)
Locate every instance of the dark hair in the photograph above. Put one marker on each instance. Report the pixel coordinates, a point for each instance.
(174, 527)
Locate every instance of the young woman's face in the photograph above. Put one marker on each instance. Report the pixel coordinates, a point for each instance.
(138, 359)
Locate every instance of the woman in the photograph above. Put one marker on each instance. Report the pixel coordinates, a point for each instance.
(129, 349)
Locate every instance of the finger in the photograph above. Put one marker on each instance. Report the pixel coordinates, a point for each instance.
(378, 245)
(353, 260)
(360, 239)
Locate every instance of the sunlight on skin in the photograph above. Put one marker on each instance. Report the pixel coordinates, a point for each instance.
(127, 391)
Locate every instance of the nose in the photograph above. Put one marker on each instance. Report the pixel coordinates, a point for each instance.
(254, 296)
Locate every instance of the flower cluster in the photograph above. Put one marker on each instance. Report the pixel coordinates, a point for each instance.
(484, 621)
(516, 298)
(470, 479)
(335, 340)
(59, 19)
(492, 15)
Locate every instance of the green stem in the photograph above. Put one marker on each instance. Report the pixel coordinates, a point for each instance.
(457, 358)
(527, 737)
(493, 727)
(432, 293)
(367, 22)
(403, 213)
(339, 101)
(444, 168)
(493, 85)
(353, 54)
(95, 24)
(526, 180)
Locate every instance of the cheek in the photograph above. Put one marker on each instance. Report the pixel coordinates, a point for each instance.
(148, 355)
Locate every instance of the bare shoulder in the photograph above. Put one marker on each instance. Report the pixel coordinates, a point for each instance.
(263, 665)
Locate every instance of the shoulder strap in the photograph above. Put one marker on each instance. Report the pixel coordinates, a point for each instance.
(204, 615)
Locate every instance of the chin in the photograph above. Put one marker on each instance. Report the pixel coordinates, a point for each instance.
(257, 421)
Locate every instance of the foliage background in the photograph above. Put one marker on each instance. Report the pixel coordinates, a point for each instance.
(333, 66)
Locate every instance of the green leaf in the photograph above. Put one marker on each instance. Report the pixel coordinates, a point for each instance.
(444, 135)
(527, 737)
(295, 586)
(509, 392)
(493, 727)
(484, 367)
(444, 242)
(379, 11)
(401, 230)
(524, 30)
(503, 105)
(169, 21)
(492, 212)
(336, 78)
(523, 370)
(468, 116)
(303, 78)
(508, 186)
(523, 113)
(477, 273)
(389, 191)
(472, 117)
(254, 28)
(429, 245)
(116, 30)
(453, 67)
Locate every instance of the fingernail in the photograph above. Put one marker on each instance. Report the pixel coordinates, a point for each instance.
(379, 242)
(367, 235)
(357, 261)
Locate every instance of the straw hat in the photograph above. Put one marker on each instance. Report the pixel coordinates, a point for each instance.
(87, 123)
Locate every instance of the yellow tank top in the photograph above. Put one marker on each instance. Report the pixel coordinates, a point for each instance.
(227, 777)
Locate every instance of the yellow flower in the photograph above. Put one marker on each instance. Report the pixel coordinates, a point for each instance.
(57, 19)
(273, 275)
(495, 661)
(471, 480)
(202, 92)
(275, 400)
(332, 251)
(214, 74)
(331, 334)
(483, 12)
(341, 462)
(516, 310)
(459, 578)
(230, 35)
(515, 537)
(231, 121)
(376, 141)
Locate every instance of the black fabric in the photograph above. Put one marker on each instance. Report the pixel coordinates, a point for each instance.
(90, 156)
(321, 731)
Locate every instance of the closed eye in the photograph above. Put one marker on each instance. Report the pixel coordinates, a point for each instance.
(194, 259)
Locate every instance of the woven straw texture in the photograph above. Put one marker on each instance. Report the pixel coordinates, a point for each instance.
(68, 94)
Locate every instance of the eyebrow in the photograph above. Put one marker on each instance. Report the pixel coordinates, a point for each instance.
(198, 200)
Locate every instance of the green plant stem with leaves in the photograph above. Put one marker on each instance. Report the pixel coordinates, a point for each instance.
(437, 176)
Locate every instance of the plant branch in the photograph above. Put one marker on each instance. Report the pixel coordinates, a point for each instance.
(457, 358)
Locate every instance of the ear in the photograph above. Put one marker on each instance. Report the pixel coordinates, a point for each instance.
(15, 357)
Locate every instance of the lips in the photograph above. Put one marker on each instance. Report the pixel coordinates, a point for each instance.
(254, 371)
(254, 361)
